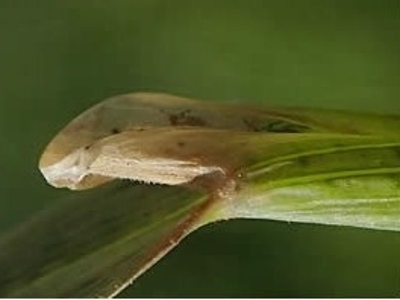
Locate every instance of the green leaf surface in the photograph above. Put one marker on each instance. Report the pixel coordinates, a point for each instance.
(93, 244)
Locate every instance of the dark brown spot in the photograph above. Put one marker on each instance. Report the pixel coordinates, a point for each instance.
(173, 119)
(115, 130)
(251, 126)
(274, 126)
(184, 118)
(180, 144)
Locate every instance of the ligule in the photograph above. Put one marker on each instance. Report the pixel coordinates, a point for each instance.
(229, 161)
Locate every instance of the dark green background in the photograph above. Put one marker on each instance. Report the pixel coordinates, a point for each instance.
(59, 57)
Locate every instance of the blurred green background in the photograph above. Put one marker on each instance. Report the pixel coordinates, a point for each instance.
(59, 57)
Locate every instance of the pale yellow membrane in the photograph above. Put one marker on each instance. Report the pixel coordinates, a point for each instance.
(65, 159)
